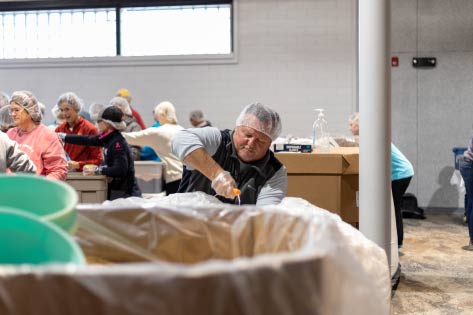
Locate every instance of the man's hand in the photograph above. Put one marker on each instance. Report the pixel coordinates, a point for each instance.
(223, 184)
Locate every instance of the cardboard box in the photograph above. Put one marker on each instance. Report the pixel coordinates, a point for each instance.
(327, 180)
(90, 189)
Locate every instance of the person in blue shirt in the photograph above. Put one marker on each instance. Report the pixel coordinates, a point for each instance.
(402, 172)
(401, 175)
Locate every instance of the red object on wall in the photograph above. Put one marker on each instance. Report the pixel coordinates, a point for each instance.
(395, 61)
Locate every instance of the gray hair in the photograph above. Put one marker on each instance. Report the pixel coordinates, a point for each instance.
(197, 115)
(71, 99)
(4, 98)
(28, 101)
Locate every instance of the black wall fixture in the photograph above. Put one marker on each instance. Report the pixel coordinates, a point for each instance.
(425, 62)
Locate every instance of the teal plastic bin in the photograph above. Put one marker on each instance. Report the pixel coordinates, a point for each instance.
(52, 200)
(26, 239)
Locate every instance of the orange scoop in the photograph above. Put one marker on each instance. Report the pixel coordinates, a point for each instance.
(236, 191)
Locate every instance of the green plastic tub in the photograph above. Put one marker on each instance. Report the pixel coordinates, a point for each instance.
(26, 239)
(52, 200)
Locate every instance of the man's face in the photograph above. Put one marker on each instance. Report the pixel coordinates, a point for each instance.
(250, 144)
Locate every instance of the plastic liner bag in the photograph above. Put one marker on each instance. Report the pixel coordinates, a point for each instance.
(207, 258)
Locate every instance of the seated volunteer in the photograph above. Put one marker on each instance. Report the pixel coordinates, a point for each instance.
(218, 161)
(118, 163)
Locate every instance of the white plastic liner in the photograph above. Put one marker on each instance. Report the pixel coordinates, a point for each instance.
(196, 256)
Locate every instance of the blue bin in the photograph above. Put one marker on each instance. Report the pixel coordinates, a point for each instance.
(458, 155)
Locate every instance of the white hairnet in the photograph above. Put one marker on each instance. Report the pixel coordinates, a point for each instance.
(121, 103)
(261, 118)
(71, 99)
(29, 102)
(354, 118)
(3, 99)
(167, 110)
(94, 110)
(6, 120)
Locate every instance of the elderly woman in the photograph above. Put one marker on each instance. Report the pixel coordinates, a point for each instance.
(159, 139)
(40, 143)
(70, 106)
(130, 121)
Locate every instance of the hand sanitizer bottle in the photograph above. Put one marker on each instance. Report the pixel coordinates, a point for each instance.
(320, 138)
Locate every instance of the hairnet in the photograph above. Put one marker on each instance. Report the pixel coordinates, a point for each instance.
(114, 116)
(167, 110)
(121, 103)
(3, 99)
(72, 99)
(197, 115)
(5, 118)
(354, 118)
(29, 102)
(260, 118)
(94, 110)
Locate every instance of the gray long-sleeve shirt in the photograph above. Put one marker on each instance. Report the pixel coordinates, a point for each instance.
(13, 158)
(188, 140)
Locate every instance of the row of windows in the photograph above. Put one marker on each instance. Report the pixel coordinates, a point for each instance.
(124, 31)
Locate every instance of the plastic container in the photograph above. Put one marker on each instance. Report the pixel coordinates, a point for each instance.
(458, 155)
(51, 200)
(320, 138)
(26, 239)
(149, 176)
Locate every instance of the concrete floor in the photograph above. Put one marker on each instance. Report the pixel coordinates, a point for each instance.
(437, 273)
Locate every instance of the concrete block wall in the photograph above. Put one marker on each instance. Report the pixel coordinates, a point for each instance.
(432, 108)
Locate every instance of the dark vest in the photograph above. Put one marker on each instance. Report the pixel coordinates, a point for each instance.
(250, 177)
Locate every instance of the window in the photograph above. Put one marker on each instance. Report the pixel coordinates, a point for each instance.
(95, 32)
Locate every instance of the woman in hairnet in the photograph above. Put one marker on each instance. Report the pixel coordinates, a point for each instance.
(35, 139)
(70, 106)
(218, 161)
(118, 163)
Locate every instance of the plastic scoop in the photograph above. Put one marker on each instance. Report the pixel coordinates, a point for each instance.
(236, 193)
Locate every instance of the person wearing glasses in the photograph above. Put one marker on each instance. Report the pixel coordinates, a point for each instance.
(34, 138)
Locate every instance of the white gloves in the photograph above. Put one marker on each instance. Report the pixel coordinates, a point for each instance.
(224, 184)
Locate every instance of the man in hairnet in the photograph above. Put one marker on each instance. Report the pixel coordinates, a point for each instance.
(218, 161)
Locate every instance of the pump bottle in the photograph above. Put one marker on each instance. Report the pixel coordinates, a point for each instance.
(320, 139)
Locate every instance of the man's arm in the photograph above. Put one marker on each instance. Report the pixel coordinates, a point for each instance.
(16, 160)
(274, 190)
(195, 148)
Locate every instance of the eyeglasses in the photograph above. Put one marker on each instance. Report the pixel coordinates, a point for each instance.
(15, 111)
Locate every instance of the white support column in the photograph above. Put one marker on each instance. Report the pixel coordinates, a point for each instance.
(375, 120)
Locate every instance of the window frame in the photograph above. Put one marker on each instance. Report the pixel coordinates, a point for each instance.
(119, 60)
